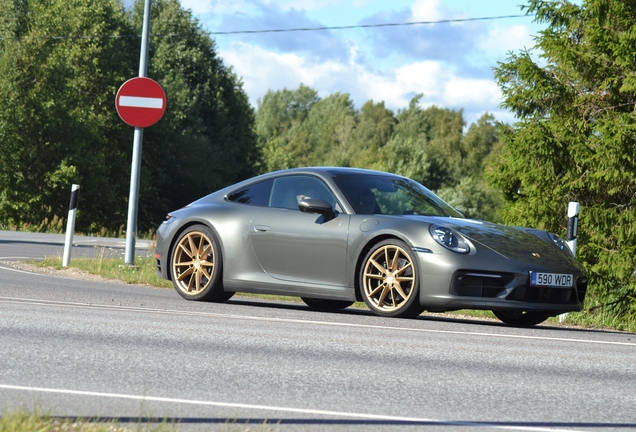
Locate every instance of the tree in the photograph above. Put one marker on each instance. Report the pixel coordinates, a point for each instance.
(57, 124)
(574, 96)
(444, 147)
(373, 131)
(278, 128)
(329, 126)
(472, 193)
(478, 145)
(61, 63)
(426, 145)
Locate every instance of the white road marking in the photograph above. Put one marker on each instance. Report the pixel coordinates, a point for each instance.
(12, 269)
(14, 300)
(279, 409)
(140, 102)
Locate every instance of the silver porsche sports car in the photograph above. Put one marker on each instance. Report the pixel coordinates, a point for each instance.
(336, 235)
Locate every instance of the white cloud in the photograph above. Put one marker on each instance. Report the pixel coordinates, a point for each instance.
(471, 93)
(434, 10)
(427, 10)
(421, 77)
(264, 70)
(198, 6)
(302, 4)
(504, 39)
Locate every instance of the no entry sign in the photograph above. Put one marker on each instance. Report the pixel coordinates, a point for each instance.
(140, 102)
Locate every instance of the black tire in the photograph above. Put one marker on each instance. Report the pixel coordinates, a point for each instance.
(197, 266)
(389, 280)
(521, 318)
(415, 311)
(326, 305)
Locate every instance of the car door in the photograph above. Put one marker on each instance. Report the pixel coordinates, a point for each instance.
(300, 247)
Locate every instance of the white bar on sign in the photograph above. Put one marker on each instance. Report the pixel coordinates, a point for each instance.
(140, 102)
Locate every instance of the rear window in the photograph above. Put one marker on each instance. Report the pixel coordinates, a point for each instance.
(256, 194)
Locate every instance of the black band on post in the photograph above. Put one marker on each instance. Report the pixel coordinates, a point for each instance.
(74, 199)
(573, 223)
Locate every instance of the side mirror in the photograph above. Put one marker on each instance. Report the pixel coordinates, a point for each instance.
(316, 205)
(463, 213)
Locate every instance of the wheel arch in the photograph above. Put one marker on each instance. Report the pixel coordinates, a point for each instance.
(363, 252)
(178, 233)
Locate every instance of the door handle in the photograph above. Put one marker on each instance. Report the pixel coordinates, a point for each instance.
(261, 228)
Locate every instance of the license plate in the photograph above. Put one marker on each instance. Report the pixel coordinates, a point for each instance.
(551, 279)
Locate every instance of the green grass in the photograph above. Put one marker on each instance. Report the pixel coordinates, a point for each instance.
(143, 272)
(602, 320)
(24, 421)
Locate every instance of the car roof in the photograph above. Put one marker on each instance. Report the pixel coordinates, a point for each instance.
(324, 172)
(329, 171)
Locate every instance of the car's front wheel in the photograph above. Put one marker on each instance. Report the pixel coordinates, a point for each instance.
(389, 280)
(197, 266)
(521, 318)
(326, 305)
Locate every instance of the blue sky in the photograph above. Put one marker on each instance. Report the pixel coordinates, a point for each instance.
(450, 64)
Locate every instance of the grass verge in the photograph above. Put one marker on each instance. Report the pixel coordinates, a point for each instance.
(24, 421)
(143, 272)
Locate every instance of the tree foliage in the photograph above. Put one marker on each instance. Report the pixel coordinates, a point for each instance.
(575, 140)
(58, 123)
(297, 128)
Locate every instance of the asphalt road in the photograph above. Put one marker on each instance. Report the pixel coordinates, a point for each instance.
(105, 350)
(16, 246)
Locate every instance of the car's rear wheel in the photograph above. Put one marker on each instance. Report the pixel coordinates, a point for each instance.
(389, 281)
(326, 305)
(521, 318)
(197, 265)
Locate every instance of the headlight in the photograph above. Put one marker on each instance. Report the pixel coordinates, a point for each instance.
(449, 238)
(560, 243)
(169, 219)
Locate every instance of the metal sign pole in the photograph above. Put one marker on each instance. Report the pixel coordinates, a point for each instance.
(131, 230)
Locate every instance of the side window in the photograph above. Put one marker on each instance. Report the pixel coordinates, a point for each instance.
(256, 194)
(288, 191)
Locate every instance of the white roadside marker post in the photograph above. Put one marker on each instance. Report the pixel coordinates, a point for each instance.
(573, 227)
(70, 225)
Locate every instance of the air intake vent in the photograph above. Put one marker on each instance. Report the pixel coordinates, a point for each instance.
(543, 295)
(479, 284)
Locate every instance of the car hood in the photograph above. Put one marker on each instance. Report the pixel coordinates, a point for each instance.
(515, 243)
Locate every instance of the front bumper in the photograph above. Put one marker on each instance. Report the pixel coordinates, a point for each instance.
(450, 283)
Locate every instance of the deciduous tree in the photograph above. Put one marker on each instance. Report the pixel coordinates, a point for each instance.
(61, 63)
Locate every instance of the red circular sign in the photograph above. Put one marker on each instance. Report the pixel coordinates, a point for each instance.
(140, 102)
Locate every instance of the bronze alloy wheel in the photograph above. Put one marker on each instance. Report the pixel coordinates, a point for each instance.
(389, 280)
(196, 265)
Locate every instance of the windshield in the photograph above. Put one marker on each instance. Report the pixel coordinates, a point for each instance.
(392, 195)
